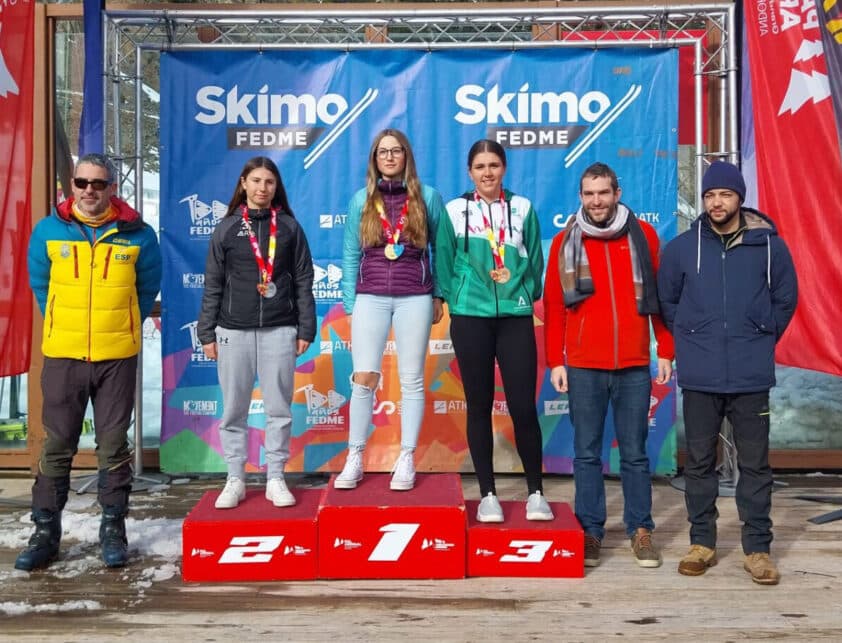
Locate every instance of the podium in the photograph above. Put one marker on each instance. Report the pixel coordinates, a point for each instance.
(255, 541)
(520, 547)
(374, 532)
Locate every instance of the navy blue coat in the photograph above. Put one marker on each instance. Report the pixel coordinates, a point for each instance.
(727, 307)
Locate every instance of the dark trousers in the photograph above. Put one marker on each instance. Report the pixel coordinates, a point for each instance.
(748, 414)
(477, 341)
(67, 386)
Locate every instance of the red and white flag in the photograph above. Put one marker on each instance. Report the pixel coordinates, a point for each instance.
(16, 86)
(799, 171)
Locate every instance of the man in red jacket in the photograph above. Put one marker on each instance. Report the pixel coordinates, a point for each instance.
(599, 298)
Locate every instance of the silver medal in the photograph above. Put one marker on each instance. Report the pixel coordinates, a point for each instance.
(271, 290)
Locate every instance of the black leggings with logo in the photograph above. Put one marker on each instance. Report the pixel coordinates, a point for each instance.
(477, 341)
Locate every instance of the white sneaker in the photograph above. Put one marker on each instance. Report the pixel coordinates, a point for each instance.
(352, 473)
(232, 494)
(278, 494)
(403, 473)
(489, 509)
(537, 507)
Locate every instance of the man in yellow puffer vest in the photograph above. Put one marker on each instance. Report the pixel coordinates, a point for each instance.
(95, 270)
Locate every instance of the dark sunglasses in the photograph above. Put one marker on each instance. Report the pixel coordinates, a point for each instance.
(96, 184)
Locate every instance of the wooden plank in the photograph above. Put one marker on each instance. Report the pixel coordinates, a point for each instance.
(615, 600)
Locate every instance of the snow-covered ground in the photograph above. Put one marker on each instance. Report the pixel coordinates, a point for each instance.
(155, 541)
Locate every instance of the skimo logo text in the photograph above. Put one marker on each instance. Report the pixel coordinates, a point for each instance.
(528, 118)
(263, 120)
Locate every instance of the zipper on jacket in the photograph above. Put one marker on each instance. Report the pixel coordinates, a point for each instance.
(91, 300)
(52, 315)
(613, 307)
(75, 261)
(259, 276)
(423, 269)
(131, 318)
(107, 263)
(581, 330)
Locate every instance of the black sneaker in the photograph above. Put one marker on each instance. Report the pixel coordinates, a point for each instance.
(592, 547)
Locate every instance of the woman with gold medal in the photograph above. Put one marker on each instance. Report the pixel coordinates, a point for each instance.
(258, 315)
(388, 282)
(489, 263)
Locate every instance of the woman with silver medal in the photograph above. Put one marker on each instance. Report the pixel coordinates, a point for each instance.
(489, 262)
(388, 282)
(257, 330)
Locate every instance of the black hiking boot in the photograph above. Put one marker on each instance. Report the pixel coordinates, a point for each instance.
(44, 543)
(112, 536)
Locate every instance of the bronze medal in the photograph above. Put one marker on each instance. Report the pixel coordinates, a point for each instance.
(503, 275)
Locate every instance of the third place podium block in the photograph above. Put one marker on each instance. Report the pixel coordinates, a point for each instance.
(373, 532)
(521, 547)
(255, 541)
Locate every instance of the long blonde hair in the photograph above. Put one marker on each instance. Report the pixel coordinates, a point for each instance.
(371, 230)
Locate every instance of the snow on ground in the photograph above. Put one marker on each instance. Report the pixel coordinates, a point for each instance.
(155, 541)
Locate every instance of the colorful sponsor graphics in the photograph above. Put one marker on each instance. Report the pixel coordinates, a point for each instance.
(314, 113)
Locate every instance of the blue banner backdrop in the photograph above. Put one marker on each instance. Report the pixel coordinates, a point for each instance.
(315, 113)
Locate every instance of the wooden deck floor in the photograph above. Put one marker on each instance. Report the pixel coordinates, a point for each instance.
(616, 601)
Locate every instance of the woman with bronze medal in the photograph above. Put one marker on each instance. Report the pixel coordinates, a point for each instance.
(388, 282)
(258, 315)
(489, 263)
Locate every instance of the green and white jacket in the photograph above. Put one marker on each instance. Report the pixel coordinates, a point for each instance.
(464, 259)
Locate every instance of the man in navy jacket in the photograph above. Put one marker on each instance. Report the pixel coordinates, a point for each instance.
(727, 289)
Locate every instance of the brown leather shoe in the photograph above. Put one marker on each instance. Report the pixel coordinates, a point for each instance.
(697, 560)
(592, 549)
(762, 569)
(645, 552)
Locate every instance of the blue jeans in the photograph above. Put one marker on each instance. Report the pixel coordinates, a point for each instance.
(373, 316)
(628, 391)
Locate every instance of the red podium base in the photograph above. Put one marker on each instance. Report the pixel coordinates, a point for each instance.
(254, 542)
(373, 532)
(521, 547)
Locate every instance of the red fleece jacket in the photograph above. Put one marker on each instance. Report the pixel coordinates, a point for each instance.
(605, 330)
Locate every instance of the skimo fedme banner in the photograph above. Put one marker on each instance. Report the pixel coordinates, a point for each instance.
(315, 113)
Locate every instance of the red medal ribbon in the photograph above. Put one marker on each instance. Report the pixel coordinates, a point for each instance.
(266, 268)
(393, 235)
(498, 248)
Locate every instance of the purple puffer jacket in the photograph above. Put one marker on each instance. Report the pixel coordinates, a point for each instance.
(410, 273)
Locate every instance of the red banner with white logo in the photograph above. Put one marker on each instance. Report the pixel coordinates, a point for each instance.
(799, 172)
(16, 85)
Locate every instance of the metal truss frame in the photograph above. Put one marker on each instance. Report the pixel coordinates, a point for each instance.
(132, 36)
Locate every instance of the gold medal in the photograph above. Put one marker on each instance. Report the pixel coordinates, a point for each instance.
(390, 252)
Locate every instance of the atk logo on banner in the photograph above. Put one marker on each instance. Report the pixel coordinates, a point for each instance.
(315, 113)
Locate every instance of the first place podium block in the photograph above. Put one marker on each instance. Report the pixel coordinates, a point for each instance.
(255, 541)
(520, 547)
(374, 532)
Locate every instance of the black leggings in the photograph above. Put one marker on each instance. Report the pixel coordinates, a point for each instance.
(476, 342)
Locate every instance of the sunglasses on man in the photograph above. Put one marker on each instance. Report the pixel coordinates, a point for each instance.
(96, 184)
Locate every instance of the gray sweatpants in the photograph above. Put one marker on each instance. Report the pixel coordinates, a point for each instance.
(269, 354)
